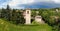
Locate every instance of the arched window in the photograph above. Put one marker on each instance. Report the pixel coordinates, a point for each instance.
(27, 12)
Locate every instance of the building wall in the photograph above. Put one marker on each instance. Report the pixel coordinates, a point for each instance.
(28, 17)
(38, 18)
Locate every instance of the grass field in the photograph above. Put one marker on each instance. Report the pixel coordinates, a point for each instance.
(6, 26)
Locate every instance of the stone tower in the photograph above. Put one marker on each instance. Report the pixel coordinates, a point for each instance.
(57, 10)
(28, 16)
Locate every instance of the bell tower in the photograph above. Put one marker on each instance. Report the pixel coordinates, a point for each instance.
(28, 16)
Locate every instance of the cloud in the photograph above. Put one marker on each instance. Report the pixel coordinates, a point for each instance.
(56, 1)
(15, 3)
(30, 3)
(3, 3)
(41, 5)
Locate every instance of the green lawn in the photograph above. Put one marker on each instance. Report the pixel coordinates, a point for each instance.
(6, 26)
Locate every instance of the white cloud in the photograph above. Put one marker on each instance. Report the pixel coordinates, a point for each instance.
(3, 5)
(15, 3)
(56, 1)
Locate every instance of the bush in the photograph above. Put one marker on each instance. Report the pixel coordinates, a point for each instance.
(35, 23)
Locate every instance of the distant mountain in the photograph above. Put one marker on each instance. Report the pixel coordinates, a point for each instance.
(41, 5)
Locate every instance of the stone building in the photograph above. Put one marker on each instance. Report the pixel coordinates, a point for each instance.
(28, 17)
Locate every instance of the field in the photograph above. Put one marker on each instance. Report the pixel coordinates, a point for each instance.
(6, 26)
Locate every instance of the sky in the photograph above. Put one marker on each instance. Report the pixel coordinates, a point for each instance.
(22, 4)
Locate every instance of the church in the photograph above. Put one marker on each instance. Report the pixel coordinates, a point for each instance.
(28, 17)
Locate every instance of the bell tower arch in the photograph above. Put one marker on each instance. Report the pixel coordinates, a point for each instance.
(28, 16)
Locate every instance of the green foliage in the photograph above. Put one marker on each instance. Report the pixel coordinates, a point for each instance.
(6, 26)
(12, 15)
(8, 7)
(48, 16)
(33, 13)
(35, 23)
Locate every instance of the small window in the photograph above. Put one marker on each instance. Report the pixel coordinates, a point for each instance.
(38, 17)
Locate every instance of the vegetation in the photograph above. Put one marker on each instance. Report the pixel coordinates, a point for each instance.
(6, 26)
(50, 16)
(13, 16)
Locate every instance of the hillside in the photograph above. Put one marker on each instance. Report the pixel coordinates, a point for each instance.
(6, 26)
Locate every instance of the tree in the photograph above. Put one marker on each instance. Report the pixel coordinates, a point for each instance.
(2, 13)
(33, 13)
(8, 7)
(8, 10)
(20, 19)
(17, 17)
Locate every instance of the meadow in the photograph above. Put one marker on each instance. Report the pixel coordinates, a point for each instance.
(6, 26)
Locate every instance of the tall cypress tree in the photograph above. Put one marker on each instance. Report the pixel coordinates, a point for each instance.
(8, 12)
(8, 8)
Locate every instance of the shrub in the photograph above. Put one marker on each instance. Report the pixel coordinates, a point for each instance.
(35, 23)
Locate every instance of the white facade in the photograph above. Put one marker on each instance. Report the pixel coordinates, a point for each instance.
(28, 16)
(57, 10)
(38, 19)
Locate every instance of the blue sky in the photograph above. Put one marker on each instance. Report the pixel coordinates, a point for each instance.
(21, 4)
